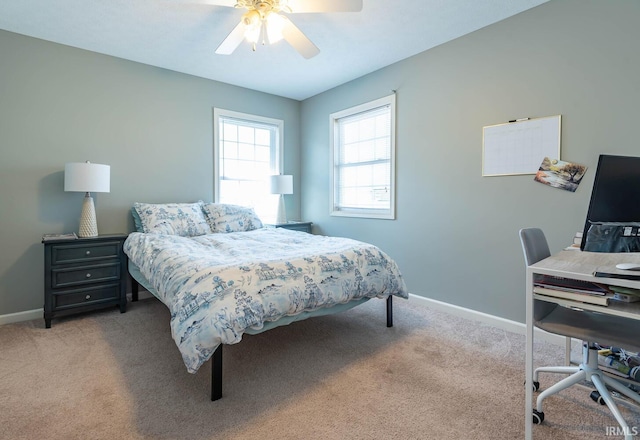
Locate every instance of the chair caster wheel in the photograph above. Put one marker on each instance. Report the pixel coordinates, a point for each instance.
(596, 397)
(538, 417)
(536, 385)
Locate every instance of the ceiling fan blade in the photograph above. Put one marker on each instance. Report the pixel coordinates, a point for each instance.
(298, 40)
(303, 6)
(232, 41)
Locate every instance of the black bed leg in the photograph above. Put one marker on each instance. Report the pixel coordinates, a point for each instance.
(134, 289)
(389, 311)
(216, 374)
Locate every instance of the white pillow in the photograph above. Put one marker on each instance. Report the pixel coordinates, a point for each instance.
(185, 219)
(231, 218)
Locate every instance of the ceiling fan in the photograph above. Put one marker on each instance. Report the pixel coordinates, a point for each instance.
(264, 22)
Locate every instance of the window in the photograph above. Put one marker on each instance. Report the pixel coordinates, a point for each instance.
(247, 150)
(363, 165)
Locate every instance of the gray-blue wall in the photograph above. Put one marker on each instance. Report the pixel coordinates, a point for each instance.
(455, 237)
(153, 127)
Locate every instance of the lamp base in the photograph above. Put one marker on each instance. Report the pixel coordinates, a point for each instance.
(282, 213)
(88, 223)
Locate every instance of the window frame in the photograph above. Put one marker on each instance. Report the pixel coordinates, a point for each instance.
(335, 149)
(276, 153)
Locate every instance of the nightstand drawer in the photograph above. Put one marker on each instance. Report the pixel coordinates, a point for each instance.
(296, 226)
(86, 252)
(73, 276)
(88, 296)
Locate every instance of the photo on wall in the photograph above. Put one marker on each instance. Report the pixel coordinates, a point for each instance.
(560, 174)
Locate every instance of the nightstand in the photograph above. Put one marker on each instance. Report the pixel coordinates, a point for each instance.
(296, 226)
(84, 274)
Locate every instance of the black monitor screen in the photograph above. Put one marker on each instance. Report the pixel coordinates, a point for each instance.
(616, 192)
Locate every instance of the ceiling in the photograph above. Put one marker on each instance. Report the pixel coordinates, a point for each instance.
(182, 35)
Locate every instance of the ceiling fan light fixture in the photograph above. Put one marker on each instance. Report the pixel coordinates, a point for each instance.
(274, 24)
(253, 35)
(253, 26)
(264, 23)
(251, 18)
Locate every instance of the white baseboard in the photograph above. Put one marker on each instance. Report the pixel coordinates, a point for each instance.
(29, 315)
(21, 316)
(495, 321)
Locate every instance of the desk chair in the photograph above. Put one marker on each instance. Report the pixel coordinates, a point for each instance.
(584, 325)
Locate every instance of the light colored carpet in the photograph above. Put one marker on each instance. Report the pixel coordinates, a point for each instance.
(108, 375)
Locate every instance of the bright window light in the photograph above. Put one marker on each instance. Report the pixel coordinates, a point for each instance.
(247, 151)
(363, 165)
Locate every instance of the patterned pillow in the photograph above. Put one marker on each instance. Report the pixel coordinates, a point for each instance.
(185, 219)
(231, 218)
(137, 221)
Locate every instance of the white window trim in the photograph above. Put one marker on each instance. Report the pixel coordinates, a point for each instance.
(333, 122)
(223, 113)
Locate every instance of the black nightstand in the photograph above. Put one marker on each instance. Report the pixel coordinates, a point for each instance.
(296, 226)
(84, 274)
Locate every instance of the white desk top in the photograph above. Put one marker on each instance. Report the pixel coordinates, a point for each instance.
(581, 265)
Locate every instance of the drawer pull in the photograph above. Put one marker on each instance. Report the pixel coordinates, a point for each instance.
(87, 297)
(88, 253)
(88, 275)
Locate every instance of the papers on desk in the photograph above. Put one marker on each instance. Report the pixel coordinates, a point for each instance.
(574, 290)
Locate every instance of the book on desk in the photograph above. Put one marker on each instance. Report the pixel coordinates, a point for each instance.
(584, 291)
(599, 299)
(575, 290)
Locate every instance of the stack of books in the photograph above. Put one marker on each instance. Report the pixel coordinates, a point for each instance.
(575, 290)
(577, 240)
(625, 294)
(55, 237)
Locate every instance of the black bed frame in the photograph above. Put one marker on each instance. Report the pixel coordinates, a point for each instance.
(216, 358)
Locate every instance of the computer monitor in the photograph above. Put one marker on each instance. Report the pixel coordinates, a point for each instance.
(615, 196)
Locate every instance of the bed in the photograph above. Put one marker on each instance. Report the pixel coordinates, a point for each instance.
(222, 275)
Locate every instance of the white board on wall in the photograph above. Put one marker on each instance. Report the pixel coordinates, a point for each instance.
(518, 147)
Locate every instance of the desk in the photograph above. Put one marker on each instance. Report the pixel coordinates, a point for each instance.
(580, 266)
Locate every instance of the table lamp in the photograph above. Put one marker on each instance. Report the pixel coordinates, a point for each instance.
(87, 178)
(281, 184)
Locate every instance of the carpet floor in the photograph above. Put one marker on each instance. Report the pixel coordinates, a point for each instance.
(107, 375)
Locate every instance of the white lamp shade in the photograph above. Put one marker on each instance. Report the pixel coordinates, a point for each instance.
(282, 184)
(87, 177)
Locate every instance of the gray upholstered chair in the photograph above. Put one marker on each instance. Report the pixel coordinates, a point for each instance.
(586, 326)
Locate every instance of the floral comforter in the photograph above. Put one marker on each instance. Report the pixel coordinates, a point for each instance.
(219, 285)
